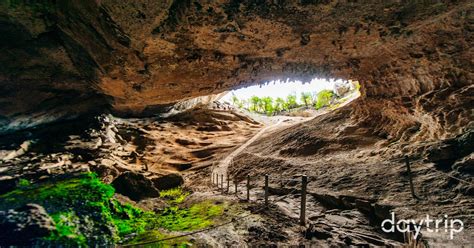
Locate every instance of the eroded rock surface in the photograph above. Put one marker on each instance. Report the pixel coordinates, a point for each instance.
(156, 150)
(63, 58)
(21, 226)
(135, 185)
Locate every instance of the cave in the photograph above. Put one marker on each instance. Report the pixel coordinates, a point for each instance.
(112, 132)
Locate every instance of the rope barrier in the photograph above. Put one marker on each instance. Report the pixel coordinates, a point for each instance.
(432, 169)
(448, 175)
(236, 219)
(233, 220)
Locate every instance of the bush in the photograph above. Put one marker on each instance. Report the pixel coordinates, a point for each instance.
(324, 98)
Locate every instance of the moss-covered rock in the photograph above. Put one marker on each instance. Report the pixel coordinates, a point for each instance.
(85, 213)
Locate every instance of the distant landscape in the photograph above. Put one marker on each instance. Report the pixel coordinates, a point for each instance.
(293, 102)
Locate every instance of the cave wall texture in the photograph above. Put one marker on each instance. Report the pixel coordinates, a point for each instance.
(62, 58)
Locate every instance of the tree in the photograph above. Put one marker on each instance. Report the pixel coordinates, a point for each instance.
(235, 100)
(260, 105)
(306, 98)
(244, 104)
(254, 102)
(324, 98)
(268, 105)
(279, 105)
(291, 101)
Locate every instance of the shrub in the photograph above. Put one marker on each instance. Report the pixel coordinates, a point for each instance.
(324, 98)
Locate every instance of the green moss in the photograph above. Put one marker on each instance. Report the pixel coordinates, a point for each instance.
(23, 183)
(67, 230)
(157, 235)
(146, 224)
(74, 203)
(198, 216)
(86, 214)
(175, 196)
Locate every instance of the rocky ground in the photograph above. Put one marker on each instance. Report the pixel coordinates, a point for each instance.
(111, 146)
(140, 158)
(356, 178)
(62, 60)
(352, 169)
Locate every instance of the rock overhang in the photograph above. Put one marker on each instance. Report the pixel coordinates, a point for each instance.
(63, 58)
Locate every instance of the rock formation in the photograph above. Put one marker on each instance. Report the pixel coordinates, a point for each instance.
(20, 227)
(72, 59)
(63, 58)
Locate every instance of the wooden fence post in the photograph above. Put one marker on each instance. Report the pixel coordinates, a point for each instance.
(412, 189)
(235, 185)
(222, 182)
(304, 182)
(266, 190)
(248, 187)
(228, 184)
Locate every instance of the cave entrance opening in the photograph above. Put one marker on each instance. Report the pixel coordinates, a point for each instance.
(294, 98)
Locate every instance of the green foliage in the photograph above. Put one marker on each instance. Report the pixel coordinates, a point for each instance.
(157, 235)
(236, 102)
(173, 218)
(357, 86)
(291, 101)
(268, 105)
(84, 197)
(84, 212)
(306, 98)
(280, 105)
(23, 183)
(324, 98)
(255, 103)
(175, 195)
(197, 216)
(67, 232)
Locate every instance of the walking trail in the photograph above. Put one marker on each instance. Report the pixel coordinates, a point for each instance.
(221, 168)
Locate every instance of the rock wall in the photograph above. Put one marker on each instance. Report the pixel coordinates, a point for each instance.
(62, 58)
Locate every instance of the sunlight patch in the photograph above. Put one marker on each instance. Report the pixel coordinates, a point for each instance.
(288, 98)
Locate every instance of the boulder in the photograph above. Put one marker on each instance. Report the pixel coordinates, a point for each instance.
(7, 183)
(167, 181)
(465, 165)
(21, 226)
(135, 185)
(446, 152)
(318, 232)
(106, 172)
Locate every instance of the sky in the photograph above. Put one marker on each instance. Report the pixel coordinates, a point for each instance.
(281, 89)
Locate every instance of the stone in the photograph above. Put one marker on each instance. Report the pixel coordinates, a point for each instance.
(318, 232)
(141, 54)
(21, 226)
(7, 183)
(382, 211)
(106, 172)
(135, 186)
(168, 181)
(465, 165)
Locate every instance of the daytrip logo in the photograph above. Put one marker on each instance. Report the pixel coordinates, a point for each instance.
(431, 225)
